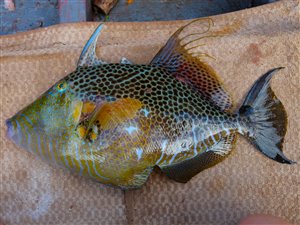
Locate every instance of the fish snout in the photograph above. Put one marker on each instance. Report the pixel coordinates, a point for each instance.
(11, 130)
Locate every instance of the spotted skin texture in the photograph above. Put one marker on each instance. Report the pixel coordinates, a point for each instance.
(173, 122)
(118, 121)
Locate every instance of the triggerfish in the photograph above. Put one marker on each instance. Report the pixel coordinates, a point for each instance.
(116, 122)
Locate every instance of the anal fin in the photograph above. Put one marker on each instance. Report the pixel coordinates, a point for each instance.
(182, 172)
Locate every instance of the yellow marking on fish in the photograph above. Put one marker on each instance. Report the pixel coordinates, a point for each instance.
(77, 167)
(93, 136)
(69, 159)
(217, 137)
(78, 161)
(81, 131)
(114, 113)
(43, 148)
(55, 146)
(223, 133)
(77, 110)
(94, 166)
(207, 141)
(88, 107)
(75, 156)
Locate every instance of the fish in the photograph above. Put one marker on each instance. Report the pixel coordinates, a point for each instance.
(116, 122)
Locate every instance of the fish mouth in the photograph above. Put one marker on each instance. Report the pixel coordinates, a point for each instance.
(10, 129)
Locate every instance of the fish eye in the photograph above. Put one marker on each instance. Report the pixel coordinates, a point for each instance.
(61, 86)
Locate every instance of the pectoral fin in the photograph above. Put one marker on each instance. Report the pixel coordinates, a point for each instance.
(105, 116)
(182, 172)
(111, 114)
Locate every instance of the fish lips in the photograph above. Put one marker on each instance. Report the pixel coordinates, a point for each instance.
(10, 129)
(12, 132)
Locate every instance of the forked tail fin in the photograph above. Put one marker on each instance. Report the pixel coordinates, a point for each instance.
(266, 119)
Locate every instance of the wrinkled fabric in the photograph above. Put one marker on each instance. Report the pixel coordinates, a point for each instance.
(254, 41)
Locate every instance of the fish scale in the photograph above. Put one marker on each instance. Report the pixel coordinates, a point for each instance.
(116, 122)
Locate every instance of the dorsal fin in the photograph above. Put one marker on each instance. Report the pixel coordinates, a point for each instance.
(177, 57)
(88, 55)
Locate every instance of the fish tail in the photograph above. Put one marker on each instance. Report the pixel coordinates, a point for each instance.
(265, 119)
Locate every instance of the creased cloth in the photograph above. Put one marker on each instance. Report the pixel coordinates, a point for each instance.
(255, 40)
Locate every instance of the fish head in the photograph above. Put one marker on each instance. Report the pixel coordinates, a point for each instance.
(52, 116)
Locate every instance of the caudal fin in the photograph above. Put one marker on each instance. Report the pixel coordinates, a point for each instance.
(266, 119)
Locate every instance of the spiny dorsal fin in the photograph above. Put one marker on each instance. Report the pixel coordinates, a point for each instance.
(88, 55)
(181, 57)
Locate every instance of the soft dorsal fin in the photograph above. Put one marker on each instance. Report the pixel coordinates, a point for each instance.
(88, 55)
(177, 56)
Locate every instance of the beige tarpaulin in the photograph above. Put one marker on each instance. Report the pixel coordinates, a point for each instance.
(256, 40)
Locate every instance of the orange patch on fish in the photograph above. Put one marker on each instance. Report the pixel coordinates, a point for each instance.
(93, 136)
(114, 113)
(81, 131)
(88, 107)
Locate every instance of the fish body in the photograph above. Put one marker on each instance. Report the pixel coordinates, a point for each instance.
(116, 122)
